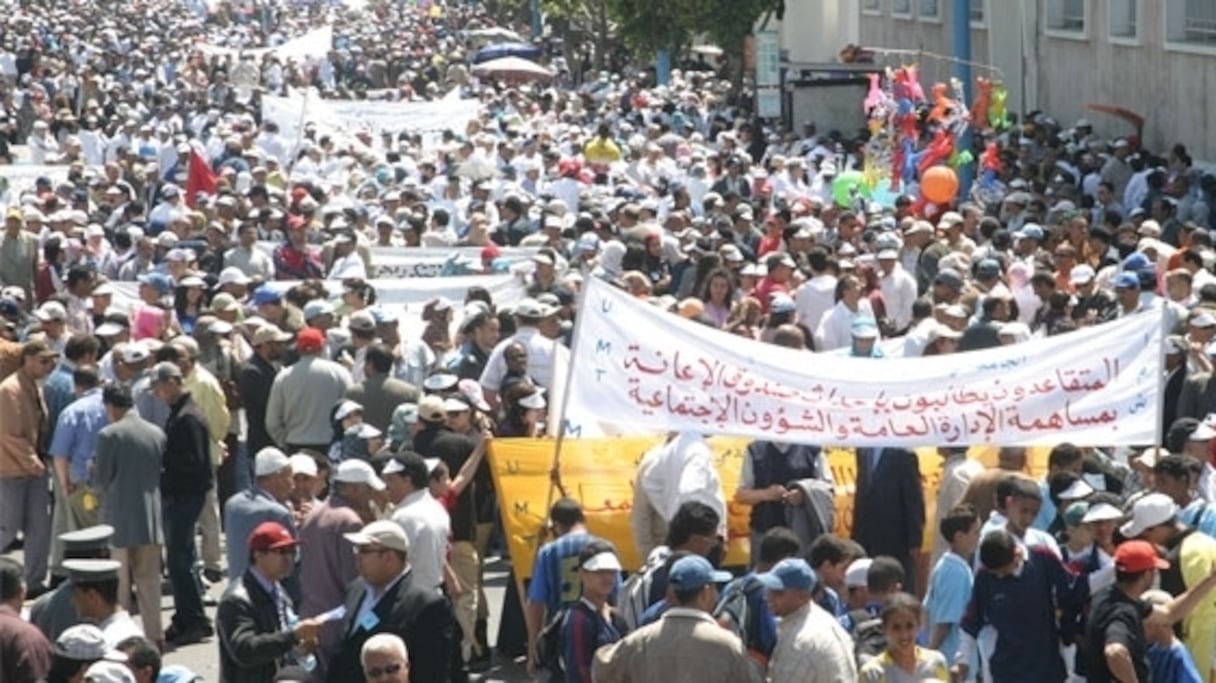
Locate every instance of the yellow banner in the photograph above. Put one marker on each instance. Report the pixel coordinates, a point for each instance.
(599, 473)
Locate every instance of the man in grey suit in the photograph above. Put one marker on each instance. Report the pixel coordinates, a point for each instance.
(127, 477)
(265, 501)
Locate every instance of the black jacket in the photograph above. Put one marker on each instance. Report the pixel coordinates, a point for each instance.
(420, 616)
(257, 376)
(453, 450)
(187, 466)
(889, 508)
(252, 640)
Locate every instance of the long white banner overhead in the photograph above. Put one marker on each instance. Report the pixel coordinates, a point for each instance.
(640, 367)
(374, 115)
(312, 45)
(415, 262)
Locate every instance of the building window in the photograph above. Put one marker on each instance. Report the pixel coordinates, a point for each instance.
(977, 12)
(874, 6)
(901, 7)
(928, 9)
(1066, 16)
(1123, 16)
(1192, 22)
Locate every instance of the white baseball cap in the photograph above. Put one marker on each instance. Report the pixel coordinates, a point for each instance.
(856, 576)
(268, 461)
(303, 463)
(358, 472)
(1148, 512)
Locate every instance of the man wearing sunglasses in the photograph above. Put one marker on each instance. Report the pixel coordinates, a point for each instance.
(258, 627)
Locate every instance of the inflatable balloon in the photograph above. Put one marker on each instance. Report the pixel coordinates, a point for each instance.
(939, 184)
(845, 184)
(938, 151)
(996, 112)
(983, 99)
(941, 103)
(990, 165)
(875, 97)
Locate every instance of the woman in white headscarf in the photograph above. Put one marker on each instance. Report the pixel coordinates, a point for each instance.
(609, 266)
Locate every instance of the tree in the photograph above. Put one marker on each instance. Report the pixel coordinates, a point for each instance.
(649, 25)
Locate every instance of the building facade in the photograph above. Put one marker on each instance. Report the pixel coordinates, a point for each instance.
(1154, 57)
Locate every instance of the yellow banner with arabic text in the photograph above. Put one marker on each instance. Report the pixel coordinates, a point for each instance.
(600, 473)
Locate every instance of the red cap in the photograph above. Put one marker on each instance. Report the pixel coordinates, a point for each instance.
(310, 340)
(271, 536)
(1134, 557)
(490, 252)
(295, 222)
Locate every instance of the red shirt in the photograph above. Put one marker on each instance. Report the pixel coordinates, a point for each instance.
(765, 289)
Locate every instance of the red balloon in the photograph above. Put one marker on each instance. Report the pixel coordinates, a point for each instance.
(939, 184)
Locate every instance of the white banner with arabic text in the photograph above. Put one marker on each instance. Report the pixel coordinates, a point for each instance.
(639, 367)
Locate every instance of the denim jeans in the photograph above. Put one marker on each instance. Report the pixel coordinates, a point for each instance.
(181, 517)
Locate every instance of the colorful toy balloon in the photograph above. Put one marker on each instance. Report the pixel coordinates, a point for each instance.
(939, 184)
(996, 110)
(983, 99)
(844, 186)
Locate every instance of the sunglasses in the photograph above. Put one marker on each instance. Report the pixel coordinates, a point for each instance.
(383, 670)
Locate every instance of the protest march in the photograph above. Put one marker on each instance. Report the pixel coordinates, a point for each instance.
(406, 342)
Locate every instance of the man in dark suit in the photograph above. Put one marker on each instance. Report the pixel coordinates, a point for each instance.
(889, 507)
(386, 600)
(186, 477)
(127, 479)
(1175, 379)
(258, 627)
(256, 379)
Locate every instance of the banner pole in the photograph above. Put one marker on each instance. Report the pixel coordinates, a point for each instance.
(1161, 374)
(555, 475)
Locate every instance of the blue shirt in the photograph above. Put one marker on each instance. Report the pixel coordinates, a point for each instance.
(1047, 513)
(59, 390)
(1172, 664)
(831, 602)
(555, 579)
(76, 434)
(1200, 516)
(946, 601)
(1021, 608)
(585, 631)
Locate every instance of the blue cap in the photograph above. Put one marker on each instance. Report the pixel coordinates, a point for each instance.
(792, 573)
(163, 283)
(693, 572)
(266, 295)
(9, 307)
(1136, 261)
(1127, 280)
(989, 267)
(781, 303)
(864, 328)
(1031, 231)
(382, 315)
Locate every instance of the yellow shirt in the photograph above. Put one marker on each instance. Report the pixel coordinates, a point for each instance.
(1198, 559)
(209, 396)
(601, 150)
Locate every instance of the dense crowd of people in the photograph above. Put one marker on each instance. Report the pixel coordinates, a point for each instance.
(203, 378)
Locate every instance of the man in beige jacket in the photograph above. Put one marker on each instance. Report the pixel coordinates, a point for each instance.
(686, 644)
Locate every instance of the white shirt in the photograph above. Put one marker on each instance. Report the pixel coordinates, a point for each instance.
(813, 300)
(899, 293)
(118, 628)
(680, 471)
(427, 525)
(349, 266)
(835, 331)
(811, 647)
(546, 357)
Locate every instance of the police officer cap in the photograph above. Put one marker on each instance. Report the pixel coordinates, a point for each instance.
(91, 538)
(92, 571)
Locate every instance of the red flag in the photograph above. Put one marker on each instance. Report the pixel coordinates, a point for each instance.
(199, 178)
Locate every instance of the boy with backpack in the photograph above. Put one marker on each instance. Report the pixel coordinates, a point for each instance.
(742, 608)
(830, 557)
(884, 579)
